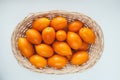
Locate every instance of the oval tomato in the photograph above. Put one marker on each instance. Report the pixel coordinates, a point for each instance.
(25, 47)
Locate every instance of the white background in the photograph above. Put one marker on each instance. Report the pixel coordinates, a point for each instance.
(105, 12)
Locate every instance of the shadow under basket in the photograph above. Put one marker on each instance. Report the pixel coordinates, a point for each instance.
(95, 49)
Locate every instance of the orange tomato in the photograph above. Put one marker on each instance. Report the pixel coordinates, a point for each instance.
(25, 47)
(87, 35)
(75, 26)
(74, 40)
(33, 36)
(57, 61)
(48, 35)
(44, 50)
(62, 48)
(40, 23)
(61, 35)
(59, 23)
(79, 58)
(38, 61)
(84, 46)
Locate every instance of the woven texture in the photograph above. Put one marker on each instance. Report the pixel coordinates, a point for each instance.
(95, 50)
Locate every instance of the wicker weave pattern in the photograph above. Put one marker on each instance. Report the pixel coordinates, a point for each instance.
(95, 50)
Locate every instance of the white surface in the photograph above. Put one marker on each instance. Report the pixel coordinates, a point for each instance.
(105, 12)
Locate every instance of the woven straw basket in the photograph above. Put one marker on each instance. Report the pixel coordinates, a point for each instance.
(95, 50)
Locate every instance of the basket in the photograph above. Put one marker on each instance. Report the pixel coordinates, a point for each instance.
(95, 49)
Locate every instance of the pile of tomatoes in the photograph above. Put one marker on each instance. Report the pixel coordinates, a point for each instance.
(56, 42)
